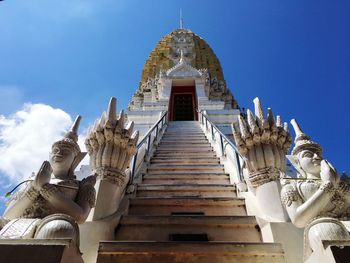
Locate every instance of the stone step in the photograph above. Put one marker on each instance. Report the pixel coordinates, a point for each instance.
(184, 139)
(181, 133)
(184, 135)
(185, 132)
(217, 228)
(185, 158)
(185, 149)
(197, 128)
(183, 162)
(160, 169)
(187, 137)
(186, 190)
(190, 252)
(191, 127)
(185, 167)
(180, 146)
(190, 151)
(169, 206)
(184, 143)
(172, 131)
(172, 154)
(187, 173)
(185, 179)
(193, 142)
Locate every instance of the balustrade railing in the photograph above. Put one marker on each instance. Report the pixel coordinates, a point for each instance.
(150, 136)
(224, 142)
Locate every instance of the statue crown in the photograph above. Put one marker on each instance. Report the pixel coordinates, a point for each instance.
(302, 141)
(70, 139)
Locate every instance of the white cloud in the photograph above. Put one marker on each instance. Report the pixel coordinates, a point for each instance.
(26, 138)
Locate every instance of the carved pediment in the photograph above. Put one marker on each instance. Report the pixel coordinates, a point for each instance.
(183, 69)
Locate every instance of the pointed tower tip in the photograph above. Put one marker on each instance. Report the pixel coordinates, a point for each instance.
(181, 25)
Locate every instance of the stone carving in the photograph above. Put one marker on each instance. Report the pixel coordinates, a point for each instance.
(206, 76)
(222, 86)
(215, 84)
(182, 42)
(111, 143)
(52, 204)
(137, 100)
(150, 84)
(263, 143)
(218, 90)
(318, 200)
(183, 69)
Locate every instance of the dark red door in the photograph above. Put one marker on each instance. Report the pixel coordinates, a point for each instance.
(182, 105)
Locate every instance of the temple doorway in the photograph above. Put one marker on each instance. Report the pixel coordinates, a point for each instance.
(183, 104)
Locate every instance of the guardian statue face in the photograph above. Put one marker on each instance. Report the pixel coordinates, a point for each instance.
(306, 155)
(310, 161)
(61, 158)
(65, 154)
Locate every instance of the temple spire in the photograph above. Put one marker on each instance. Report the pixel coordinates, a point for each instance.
(181, 18)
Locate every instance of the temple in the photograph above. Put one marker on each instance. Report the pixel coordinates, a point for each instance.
(182, 75)
(182, 175)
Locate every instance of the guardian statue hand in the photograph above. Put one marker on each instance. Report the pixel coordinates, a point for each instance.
(43, 176)
(328, 172)
(111, 143)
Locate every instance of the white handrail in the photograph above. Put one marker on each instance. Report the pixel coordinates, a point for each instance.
(147, 138)
(223, 142)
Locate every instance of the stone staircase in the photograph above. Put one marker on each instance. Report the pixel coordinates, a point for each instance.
(186, 210)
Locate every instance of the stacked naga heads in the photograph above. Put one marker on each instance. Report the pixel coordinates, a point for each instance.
(111, 143)
(263, 142)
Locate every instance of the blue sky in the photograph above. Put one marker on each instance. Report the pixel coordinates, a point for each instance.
(74, 54)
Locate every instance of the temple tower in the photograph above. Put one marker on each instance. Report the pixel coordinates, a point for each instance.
(182, 75)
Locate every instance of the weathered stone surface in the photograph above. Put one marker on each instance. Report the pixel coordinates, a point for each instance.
(167, 206)
(194, 252)
(39, 251)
